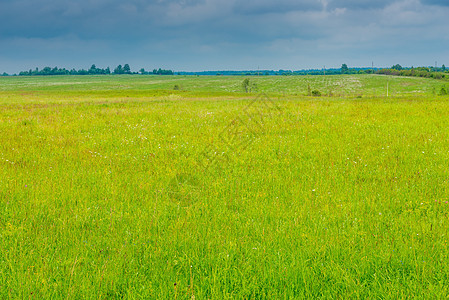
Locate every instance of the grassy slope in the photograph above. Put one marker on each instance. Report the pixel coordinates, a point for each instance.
(103, 192)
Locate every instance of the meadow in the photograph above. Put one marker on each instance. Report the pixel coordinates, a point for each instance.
(184, 187)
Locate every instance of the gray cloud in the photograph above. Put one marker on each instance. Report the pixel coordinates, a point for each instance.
(261, 7)
(359, 4)
(436, 2)
(209, 34)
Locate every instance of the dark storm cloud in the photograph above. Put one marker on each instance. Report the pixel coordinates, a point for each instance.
(203, 34)
(120, 19)
(48, 18)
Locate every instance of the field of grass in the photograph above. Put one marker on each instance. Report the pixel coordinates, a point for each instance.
(122, 187)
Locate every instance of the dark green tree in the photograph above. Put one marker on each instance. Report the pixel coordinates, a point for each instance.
(118, 70)
(126, 69)
(344, 69)
(93, 69)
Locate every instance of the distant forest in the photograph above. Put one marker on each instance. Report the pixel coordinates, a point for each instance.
(119, 70)
(398, 70)
(432, 72)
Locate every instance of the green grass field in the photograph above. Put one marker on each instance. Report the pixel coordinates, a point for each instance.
(122, 187)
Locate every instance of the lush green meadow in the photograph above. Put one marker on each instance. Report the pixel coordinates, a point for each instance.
(172, 187)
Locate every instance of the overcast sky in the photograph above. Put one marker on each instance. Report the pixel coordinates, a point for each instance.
(194, 35)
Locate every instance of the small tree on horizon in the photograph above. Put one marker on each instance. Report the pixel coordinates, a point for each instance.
(118, 70)
(126, 69)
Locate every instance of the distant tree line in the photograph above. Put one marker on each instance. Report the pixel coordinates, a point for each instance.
(57, 71)
(332, 71)
(156, 72)
(427, 72)
(93, 70)
(398, 70)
